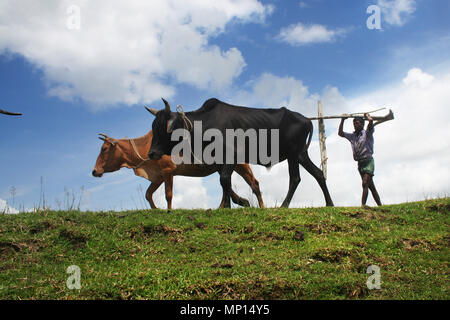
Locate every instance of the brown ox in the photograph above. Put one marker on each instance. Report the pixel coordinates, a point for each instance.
(119, 153)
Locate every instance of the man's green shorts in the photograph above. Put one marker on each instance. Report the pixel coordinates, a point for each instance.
(366, 166)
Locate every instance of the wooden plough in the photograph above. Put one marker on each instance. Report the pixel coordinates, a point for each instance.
(322, 137)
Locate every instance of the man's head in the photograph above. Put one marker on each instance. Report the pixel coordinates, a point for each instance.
(358, 123)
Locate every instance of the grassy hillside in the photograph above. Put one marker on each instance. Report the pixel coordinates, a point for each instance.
(317, 253)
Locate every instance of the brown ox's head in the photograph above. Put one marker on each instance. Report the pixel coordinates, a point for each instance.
(110, 157)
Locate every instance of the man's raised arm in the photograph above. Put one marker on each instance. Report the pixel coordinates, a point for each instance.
(370, 125)
(341, 128)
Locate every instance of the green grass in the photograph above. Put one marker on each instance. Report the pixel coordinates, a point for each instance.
(311, 253)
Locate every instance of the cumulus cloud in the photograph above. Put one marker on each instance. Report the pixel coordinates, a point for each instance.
(397, 12)
(300, 34)
(122, 189)
(303, 4)
(111, 51)
(272, 91)
(189, 193)
(411, 152)
(416, 77)
(5, 208)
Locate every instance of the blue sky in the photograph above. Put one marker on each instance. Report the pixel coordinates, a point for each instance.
(73, 81)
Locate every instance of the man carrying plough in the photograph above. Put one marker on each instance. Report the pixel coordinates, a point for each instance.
(362, 146)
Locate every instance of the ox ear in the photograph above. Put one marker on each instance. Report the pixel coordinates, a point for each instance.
(152, 111)
(167, 108)
(170, 126)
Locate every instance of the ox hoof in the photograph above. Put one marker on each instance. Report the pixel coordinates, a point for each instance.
(245, 203)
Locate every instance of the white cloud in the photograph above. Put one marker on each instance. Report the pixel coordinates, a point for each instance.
(301, 34)
(5, 208)
(417, 78)
(397, 12)
(303, 4)
(189, 193)
(126, 52)
(411, 152)
(122, 190)
(411, 155)
(272, 91)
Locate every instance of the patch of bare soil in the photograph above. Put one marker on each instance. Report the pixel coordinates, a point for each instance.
(224, 229)
(161, 229)
(222, 265)
(437, 207)
(200, 225)
(411, 244)
(358, 291)
(248, 229)
(252, 290)
(367, 213)
(332, 256)
(8, 248)
(41, 226)
(323, 228)
(273, 217)
(76, 238)
(175, 235)
(299, 236)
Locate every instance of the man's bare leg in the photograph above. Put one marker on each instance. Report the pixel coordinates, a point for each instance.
(365, 185)
(374, 192)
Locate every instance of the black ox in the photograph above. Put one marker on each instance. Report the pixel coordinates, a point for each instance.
(294, 130)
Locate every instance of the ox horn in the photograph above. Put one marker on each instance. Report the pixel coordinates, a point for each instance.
(167, 109)
(106, 137)
(152, 111)
(10, 113)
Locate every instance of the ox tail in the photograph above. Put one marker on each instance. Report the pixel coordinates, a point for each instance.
(310, 133)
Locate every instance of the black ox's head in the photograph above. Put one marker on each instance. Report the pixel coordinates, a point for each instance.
(163, 125)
